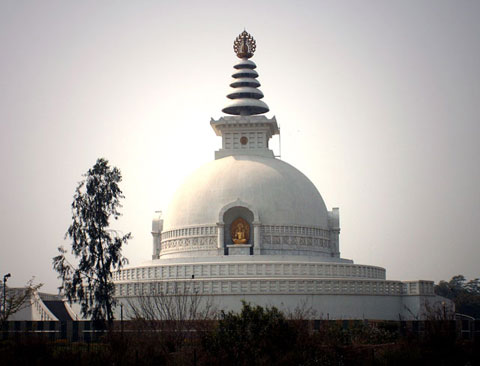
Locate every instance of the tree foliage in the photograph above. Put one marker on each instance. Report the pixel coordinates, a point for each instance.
(97, 248)
(255, 336)
(465, 294)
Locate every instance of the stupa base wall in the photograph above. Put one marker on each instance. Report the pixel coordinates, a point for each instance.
(415, 307)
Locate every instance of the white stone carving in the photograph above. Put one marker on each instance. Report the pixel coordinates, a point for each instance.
(296, 240)
(187, 239)
(315, 286)
(247, 269)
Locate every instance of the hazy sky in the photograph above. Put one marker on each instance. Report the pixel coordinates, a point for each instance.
(378, 103)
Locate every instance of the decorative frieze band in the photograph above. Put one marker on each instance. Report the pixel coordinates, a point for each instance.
(274, 237)
(300, 237)
(190, 238)
(271, 287)
(294, 240)
(189, 232)
(295, 231)
(202, 242)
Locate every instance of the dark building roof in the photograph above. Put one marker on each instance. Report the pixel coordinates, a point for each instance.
(57, 307)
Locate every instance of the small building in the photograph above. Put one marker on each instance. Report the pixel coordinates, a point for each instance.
(39, 306)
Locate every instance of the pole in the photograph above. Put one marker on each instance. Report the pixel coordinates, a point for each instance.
(5, 296)
(121, 317)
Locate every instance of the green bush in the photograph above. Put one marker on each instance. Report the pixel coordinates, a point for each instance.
(255, 336)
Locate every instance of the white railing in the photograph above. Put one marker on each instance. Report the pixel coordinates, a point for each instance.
(257, 269)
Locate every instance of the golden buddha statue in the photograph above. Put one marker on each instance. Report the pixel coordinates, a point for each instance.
(240, 231)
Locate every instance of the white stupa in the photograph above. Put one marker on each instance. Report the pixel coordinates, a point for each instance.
(248, 226)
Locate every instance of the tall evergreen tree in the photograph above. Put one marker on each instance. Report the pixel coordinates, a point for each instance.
(97, 248)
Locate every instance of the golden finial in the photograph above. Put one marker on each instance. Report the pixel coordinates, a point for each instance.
(244, 45)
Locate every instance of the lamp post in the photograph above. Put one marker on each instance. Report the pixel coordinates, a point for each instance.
(5, 295)
(121, 317)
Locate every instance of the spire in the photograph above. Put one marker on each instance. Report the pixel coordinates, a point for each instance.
(245, 94)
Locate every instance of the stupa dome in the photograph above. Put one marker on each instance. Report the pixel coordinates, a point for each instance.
(278, 192)
(247, 202)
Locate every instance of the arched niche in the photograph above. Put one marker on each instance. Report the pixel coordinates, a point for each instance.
(237, 203)
(232, 214)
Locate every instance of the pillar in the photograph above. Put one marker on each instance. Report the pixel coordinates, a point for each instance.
(257, 241)
(220, 235)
